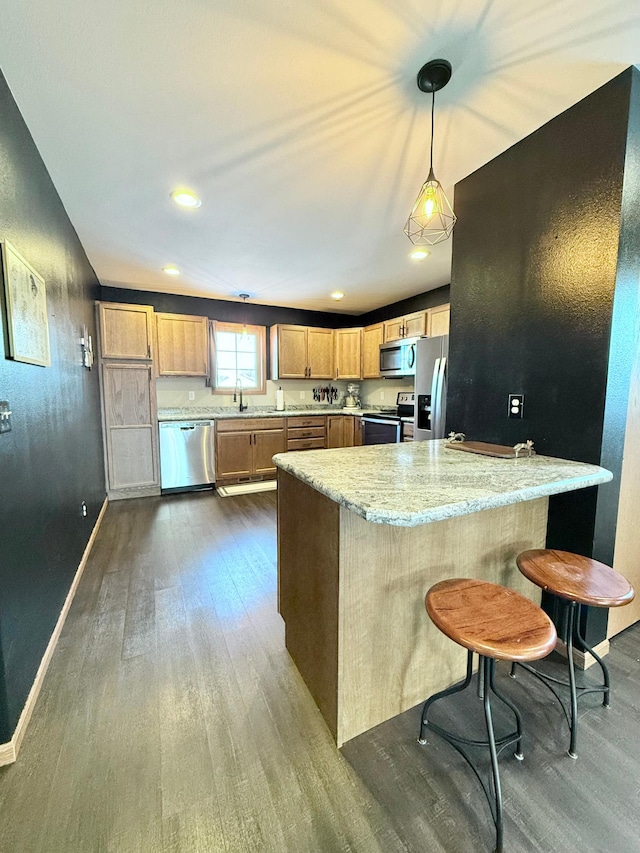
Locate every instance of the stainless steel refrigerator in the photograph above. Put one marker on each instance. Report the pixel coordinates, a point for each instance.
(431, 388)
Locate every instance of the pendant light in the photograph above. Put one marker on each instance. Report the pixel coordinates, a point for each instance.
(432, 219)
(244, 297)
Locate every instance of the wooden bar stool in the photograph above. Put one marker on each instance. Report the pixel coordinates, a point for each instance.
(497, 624)
(576, 581)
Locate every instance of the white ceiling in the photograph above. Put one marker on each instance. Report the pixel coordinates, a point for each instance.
(298, 122)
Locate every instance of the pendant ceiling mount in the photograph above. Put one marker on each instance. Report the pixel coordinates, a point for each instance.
(434, 75)
(432, 219)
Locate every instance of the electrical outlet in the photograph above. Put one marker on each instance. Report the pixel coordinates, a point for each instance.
(5, 416)
(516, 406)
(192, 395)
(382, 395)
(303, 394)
(83, 509)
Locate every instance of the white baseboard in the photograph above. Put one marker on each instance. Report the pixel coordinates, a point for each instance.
(9, 751)
(583, 660)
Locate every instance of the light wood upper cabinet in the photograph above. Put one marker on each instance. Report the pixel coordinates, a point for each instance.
(320, 353)
(301, 352)
(126, 331)
(372, 337)
(348, 353)
(415, 324)
(409, 326)
(182, 345)
(438, 322)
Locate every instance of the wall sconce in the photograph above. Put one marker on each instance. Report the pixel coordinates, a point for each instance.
(86, 347)
(432, 219)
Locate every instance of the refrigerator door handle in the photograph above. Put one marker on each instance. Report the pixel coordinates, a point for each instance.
(440, 389)
(434, 398)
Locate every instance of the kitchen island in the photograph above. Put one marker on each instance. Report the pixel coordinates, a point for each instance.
(362, 535)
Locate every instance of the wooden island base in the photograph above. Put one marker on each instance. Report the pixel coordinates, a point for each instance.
(352, 592)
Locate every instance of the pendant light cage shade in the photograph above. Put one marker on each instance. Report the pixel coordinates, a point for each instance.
(432, 219)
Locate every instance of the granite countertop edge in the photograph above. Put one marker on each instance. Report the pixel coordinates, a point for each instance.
(447, 508)
(174, 414)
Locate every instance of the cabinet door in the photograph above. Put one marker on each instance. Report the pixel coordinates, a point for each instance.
(415, 324)
(266, 443)
(348, 431)
(182, 345)
(234, 454)
(348, 353)
(320, 353)
(372, 337)
(393, 329)
(130, 426)
(357, 432)
(335, 431)
(438, 321)
(126, 331)
(291, 361)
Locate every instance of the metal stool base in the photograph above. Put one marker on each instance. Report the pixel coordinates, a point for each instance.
(572, 622)
(486, 686)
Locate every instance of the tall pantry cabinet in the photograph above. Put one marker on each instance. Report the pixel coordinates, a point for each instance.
(129, 411)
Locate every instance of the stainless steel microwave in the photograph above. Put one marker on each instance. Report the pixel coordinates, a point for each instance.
(398, 358)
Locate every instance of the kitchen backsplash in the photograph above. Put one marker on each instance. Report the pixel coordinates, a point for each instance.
(173, 392)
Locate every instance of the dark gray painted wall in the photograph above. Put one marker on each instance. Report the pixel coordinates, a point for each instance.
(52, 459)
(536, 266)
(269, 315)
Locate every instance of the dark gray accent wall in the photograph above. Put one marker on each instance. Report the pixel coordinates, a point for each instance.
(52, 459)
(545, 261)
(269, 315)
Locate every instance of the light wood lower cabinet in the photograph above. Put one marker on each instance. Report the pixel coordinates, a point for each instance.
(245, 447)
(341, 430)
(357, 432)
(306, 433)
(130, 430)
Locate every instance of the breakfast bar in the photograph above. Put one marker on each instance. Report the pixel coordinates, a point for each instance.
(364, 532)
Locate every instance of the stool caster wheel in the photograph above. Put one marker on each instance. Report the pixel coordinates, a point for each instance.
(519, 756)
(422, 741)
(572, 755)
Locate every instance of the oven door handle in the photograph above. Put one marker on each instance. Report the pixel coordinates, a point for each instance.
(380, 421)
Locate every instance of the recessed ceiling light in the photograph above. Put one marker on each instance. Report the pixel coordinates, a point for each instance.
(419, 254)
(171, 270)
(337, 295)
(185, 198)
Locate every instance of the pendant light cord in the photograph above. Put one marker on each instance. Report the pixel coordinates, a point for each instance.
(433, 106)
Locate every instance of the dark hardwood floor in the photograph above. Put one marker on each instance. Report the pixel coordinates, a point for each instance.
(172, 719)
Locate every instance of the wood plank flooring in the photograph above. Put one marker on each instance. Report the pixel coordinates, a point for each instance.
(172, 719)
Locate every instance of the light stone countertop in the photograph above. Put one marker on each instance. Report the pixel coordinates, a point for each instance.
(417, 482)
(194, 413)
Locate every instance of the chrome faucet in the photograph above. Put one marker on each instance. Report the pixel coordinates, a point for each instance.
(238, 393)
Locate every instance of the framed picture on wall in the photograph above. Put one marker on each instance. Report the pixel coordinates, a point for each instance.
(26, 301)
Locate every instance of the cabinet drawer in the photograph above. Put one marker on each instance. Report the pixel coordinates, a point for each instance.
(310, 421)
(305, 444)
(248, 424)
(308, 432)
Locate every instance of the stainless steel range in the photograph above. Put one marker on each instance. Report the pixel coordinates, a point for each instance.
(386, 427)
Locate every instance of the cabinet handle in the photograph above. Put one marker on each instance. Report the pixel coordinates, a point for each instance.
(337, 373)
(148, 350)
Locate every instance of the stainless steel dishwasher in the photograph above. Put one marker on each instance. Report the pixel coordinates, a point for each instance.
(187, 455)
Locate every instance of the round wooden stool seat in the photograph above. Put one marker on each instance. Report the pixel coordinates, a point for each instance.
(575, 578)
(490, 620)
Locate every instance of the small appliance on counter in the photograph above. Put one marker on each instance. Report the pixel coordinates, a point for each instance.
(386, 427)
(352, 399)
